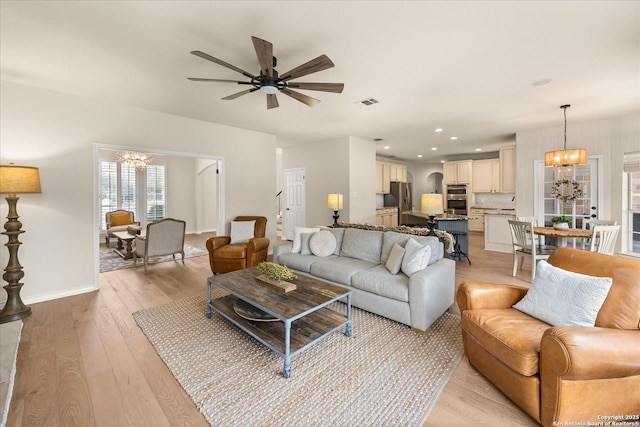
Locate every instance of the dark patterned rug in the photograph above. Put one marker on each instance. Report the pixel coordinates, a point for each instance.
(109, 260)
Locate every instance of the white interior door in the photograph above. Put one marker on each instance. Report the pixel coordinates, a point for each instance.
(296, 201)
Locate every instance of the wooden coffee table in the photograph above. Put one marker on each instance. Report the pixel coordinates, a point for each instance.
(302, 316)
(127, 238)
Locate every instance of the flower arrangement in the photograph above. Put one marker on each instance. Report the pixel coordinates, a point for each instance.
(275, 271)
(574, 186)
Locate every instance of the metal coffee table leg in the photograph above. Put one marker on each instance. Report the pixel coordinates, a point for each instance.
(286, 370)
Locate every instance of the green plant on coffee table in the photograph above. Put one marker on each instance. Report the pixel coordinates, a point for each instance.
(275, 271)
(560, 219)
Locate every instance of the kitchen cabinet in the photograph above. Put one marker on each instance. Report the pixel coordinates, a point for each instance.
(387, 217)
(486, 176)
(476, 219)
(497, 234)
(386, 173)
(457, 172)
(383, 178)
(508, 169)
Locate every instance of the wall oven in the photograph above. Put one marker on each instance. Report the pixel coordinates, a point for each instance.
(457, 199)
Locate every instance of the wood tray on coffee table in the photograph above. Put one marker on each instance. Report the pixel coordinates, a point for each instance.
(303, 317)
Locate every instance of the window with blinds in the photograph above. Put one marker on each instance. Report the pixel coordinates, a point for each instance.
(124, 187)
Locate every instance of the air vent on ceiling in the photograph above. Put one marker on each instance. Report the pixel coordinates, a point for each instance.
(368, 101)
(378, 139)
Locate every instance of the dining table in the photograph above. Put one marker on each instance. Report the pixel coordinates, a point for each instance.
(562, 234)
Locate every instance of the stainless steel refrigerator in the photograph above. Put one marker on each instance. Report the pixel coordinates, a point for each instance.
(400, 196)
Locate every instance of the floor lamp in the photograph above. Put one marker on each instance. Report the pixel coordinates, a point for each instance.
(13, 180)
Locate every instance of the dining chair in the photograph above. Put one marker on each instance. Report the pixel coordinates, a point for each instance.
(604, 238)
(534, 223)
(589, 223)
(524, 246)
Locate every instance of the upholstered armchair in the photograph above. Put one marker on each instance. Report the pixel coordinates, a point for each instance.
(245, 247)
(560, 374)
(118, 220)
(163, 237)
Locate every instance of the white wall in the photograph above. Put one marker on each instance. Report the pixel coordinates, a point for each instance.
(609, 138)
(362, 181)
(56, 132)
(423, 180)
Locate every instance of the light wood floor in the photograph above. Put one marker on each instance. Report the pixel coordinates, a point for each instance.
(83, 361)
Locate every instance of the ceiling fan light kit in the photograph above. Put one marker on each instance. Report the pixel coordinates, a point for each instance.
(564, 157)
(269, 82)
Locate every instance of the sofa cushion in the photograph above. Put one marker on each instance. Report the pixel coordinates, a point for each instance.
(564, 298)
(510, 335)
(305, 239)
(299, 262)
(362, 244)
(394, 263)
(339, 269)
(322, 243)
(416, 257)
(380, 281)
(391, 237)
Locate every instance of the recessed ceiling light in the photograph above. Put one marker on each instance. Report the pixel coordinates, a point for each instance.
(541, 82)
(478, 149)
(419, 155)
(386, 147)
(441, 161)
(453, 138)
(434, 148)
(438, 130)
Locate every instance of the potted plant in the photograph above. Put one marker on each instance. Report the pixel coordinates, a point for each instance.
(560, 221)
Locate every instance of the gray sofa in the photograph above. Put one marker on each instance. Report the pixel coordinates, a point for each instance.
(358, 263)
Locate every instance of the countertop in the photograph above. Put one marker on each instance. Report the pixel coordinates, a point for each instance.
(441, 217)
(497, 209)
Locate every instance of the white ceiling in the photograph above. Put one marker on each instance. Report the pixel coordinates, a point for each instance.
(465, 66)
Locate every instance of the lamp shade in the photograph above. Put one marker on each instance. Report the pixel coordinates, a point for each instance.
(19, 179)
(576, 156)
(334, 201)
(432, 204)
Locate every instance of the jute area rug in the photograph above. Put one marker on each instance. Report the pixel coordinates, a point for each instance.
(110, 261)
(384, 375)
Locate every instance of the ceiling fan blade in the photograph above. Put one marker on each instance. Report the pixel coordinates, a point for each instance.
(300, 97)
(324, 87)
(272, 101)
(198, 79)
(239, 94)
(221, 62)
(322, 62)
(264, 51)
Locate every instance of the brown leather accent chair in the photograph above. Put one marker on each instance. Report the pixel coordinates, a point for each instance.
(560, 374)
(225, 256)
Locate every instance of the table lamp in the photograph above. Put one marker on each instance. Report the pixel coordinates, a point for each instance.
(15, 179)
(334, 202)
(432, 205)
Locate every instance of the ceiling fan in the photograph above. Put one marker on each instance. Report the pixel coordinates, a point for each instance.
(270, 82)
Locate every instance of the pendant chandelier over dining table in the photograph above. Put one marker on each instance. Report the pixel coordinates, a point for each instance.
(564, 157)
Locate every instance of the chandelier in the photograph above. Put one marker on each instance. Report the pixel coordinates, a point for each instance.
(134, 159)
(565, 157)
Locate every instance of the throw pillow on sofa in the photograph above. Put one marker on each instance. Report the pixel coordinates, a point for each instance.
(323, 243)
(394, 262)
(564, 298)
(305, 238)
(416, 257)
(297, 240)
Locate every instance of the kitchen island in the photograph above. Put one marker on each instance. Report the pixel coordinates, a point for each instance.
(457, 225)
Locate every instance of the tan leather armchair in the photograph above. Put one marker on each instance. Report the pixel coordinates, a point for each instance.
(560, 374)
(225, 256)
(118, 220)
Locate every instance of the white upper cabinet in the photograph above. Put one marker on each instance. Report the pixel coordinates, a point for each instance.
(508, 169)
(486, 176)
(457, 172)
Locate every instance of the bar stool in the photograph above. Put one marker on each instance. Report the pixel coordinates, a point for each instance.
(457, 253)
